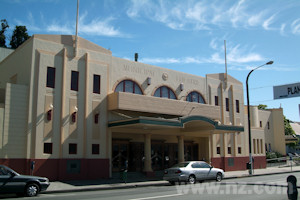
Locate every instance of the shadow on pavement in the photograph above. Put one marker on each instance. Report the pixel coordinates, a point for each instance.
(118, 177)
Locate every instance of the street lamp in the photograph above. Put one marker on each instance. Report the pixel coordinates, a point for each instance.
(248, 109)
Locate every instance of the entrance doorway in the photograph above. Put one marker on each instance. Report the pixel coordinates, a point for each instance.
(120, 155)
(190, 151)
(163, 155)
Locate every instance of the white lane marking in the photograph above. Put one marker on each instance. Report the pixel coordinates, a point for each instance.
(158, 197)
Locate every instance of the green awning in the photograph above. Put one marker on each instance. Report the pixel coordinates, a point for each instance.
(175, 123)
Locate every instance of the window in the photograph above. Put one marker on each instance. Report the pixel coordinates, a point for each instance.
(268, 124)
(74, 80)
(216, 100)
(260, 124)
(95, 149)
(254, 145)
(196, 165)
(128, 86)
(237, 104)
(3, 171)
(239, 150)
(227, 104)
(72, 148)
(229, 150)
(195, 97)
(50, 77)
(96, 84)
(204, 165)
(48, 148)
(165, 92)
(96, 119)
(218, 150)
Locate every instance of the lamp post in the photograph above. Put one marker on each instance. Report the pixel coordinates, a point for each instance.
(249, 124)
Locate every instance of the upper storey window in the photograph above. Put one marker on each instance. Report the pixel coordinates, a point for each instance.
(195, 97)
(165, 92)
(50, 77)
(74, 80)
(128, 86)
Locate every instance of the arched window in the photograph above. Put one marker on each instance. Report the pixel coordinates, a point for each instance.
(165, 92)
(128, 86)
(195, 97)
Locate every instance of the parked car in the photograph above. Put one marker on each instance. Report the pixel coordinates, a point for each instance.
(12, 182)
(192, 171)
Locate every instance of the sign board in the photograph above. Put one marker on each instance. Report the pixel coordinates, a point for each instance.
(286, 91)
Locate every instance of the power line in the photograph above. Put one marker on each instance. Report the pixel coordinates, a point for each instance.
(260, 87)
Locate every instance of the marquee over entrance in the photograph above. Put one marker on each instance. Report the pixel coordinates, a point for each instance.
(181, 122)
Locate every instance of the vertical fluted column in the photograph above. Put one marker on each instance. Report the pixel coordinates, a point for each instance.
(181, 148)
(147, 150)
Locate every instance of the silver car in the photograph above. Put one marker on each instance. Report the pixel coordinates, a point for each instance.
(192, 171)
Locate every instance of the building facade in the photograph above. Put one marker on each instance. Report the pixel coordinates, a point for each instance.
(69, 113)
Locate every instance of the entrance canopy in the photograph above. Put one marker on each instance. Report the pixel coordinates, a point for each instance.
(192, 123)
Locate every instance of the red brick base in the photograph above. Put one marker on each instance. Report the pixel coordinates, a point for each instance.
(57, 169)
(238, 163)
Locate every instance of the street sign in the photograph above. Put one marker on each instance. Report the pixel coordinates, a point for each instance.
(286, 91)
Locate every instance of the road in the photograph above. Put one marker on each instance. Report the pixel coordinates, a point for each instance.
(258, 187)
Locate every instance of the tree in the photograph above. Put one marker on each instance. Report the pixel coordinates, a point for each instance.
(19, 36)
(4, 26)
(288, 130)
(262, 107)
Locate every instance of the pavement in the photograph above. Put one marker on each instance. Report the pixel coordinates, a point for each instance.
(139, 180)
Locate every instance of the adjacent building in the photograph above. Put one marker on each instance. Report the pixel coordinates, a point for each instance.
(69, 113)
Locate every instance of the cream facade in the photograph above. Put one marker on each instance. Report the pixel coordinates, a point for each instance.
(91, 114)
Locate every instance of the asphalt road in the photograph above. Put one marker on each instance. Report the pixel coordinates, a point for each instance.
(258, 187)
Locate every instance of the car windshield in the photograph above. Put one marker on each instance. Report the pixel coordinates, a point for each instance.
(3, 171)
(184, 164)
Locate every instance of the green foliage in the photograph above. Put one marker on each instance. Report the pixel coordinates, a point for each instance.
(262, 107)
(271, 155)
(19, 36)
(293, 145)
(4, 26)
(288, 130)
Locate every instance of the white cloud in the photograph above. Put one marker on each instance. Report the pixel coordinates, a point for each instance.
(235, 56)
(99, 27)
(296, 26)
(199, 15)
(255, 20)
(268, 22)
(240, 55)
(95, 27)
(282, 28)
(184, 60)
(269, 68)
(62, 29)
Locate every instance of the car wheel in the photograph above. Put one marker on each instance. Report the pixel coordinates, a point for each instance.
(192, 179)
(172, 182)
(219, 177)
(32, 190)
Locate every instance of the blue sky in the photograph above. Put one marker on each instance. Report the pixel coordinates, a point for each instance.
(184, 35)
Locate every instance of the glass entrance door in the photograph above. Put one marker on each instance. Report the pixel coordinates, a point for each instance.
(120, 155)
(157, 156)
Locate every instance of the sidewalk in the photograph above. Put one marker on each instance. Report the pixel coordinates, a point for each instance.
(142, 181)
